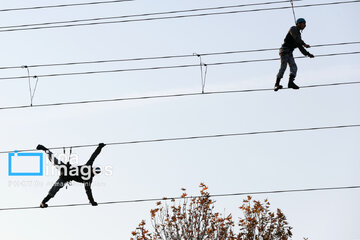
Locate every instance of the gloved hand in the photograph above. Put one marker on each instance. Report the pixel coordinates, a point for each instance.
(102, 145)
(311, 56)
(41, 147)
(94, 203)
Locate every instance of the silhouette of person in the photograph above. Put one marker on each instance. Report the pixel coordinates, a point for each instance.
(292, 40)
(82, 174)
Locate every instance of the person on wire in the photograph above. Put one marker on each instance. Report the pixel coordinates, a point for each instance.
(292, 40)
(83, 174)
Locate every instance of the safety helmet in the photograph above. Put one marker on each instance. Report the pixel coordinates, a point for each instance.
(300, 20)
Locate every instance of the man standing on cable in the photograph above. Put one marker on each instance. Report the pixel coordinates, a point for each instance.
(83, 174)
(292, 40)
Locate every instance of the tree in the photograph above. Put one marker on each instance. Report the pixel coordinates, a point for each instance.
(195, 218)
(260, 223)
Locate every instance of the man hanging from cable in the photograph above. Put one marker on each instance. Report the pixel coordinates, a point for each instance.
(292, 40)
(83, 174)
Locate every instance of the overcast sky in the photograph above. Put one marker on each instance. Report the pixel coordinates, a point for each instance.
(297, 160)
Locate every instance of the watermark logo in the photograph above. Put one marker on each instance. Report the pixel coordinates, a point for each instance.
(25, 164)
(32, 164)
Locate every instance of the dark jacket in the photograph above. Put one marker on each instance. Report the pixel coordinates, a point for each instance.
(82, 174)
(293, 40)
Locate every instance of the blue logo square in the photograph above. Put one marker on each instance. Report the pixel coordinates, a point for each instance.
(22, 156)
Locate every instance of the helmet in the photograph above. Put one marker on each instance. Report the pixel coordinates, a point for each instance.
(300, 20)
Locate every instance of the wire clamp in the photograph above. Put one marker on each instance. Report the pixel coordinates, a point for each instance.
(31, 91)
(203, 70)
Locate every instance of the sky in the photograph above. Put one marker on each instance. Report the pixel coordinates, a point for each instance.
(296, 160)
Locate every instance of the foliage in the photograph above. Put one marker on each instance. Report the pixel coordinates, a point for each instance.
(260, 223)
(195, 218)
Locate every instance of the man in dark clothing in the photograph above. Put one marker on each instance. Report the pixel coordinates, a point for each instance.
(83, 174)
(292, 40)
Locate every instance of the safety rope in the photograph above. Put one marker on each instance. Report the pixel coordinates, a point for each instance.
(293, 10)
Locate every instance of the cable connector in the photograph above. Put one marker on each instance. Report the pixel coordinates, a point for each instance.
(203, 72)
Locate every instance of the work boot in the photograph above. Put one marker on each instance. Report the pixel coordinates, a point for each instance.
(277, 85)
(43, 205)
(46, 199)
(291, 83)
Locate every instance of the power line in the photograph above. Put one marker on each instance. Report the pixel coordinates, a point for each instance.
(62, 5)
(169, 56)
(176, 95)
(166, 67)
(189, 197)
(150, 14)
(37, 26)
(159, 13)
(198, 137)
(116, 1)
(168, 95)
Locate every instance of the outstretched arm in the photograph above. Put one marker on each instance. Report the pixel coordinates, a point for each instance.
(89, 193)
(95, 154)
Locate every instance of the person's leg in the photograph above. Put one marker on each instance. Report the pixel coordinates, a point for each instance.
(54, 189)
(292, 65)
(283, 65)
(293, 72)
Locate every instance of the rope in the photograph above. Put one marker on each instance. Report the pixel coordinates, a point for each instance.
(293, 10)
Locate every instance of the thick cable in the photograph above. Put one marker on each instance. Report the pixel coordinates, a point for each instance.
(62, 5)
(190, 197)
(176, 95)
(168, 67)
(170, 56)
(199, 137)
(19, 28)
(148, 14)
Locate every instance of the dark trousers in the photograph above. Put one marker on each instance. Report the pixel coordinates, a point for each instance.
(287, 59)
(56, 187)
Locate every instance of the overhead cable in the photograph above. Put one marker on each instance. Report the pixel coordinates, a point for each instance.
(62, 5)
(37, 26)
(199, 137)
(169, 56)
(151, 14)
(175, 95)
(190, 197)
(166, 67)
